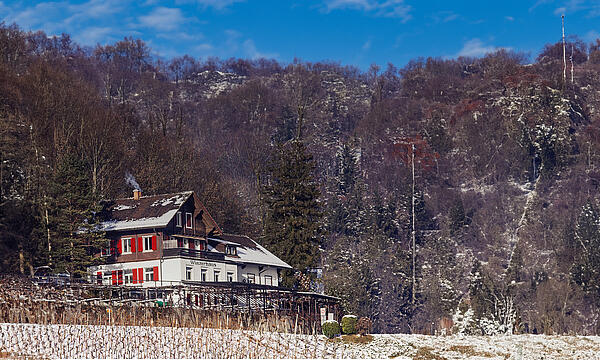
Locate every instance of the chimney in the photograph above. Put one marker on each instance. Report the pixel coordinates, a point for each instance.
(137, 194)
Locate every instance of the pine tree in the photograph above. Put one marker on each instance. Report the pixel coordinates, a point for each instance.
(292, 227)
(72, 218)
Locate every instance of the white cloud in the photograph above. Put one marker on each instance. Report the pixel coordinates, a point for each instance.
(509, 18)
(476, 48)
(538, 3)
(217, 4)
(93, 35)
(163, 18)
(591, 36)
(384, 8)
(35, 16)
(591, 8)
(203, 48)
(252, 52)
(367, 45)
(560, 11)
(181, 36)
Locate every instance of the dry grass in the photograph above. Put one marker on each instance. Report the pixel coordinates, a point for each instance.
(425, 353)
(352, 339)
(469, 351)
(357, 339)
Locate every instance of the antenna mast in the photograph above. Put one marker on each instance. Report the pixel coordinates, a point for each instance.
(564, 50)
(572, 67)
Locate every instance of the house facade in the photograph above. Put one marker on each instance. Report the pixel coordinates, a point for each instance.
(171, 239)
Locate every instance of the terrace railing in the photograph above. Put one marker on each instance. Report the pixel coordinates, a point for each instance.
(174, 248)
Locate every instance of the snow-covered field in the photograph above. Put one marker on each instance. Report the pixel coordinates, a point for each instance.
(92, 341)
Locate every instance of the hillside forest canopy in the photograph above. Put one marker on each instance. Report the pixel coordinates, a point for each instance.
(311, 159)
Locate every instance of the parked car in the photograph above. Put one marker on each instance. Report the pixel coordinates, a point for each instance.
(45, 275)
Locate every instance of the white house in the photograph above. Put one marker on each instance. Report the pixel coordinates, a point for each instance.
(171, 239)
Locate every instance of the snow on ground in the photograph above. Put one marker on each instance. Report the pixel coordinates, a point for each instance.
(95, 341)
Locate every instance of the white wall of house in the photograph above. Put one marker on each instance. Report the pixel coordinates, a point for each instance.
(173, 271)
(253, 273)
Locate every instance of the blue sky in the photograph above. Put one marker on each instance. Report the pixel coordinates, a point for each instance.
(352, 32)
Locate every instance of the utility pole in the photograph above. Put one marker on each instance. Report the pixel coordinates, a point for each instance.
(564, 50)
(414, 230)
(413, 149)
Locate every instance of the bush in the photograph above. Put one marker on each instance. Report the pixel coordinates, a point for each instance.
(363, 327)
(349, 324)
(331, 328)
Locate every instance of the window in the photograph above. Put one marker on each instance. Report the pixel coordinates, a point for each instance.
(203, 275)
(149, 274)
(128, 277)
(202, 245)
(188, 273)
(126, 245)
(230, 250)
(107, 279)
(147, 243)
(178, 219)
(188, 220)
(268, 280)
(229, 276)
(251, 278)
(216, 273)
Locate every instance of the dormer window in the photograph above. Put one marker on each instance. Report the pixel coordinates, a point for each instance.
(230, 250)
(188, 220)
(178, 223)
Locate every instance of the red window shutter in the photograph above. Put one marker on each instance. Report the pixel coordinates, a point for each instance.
(120, 276)
(132, 244)
(99, 277)
(154, 242)
(134, 276)
(114, 277)
(140, 244)
(192, 244)
(155, 273)
(119, 246)
(140, 275)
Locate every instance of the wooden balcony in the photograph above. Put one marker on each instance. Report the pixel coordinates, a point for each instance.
(173, 248)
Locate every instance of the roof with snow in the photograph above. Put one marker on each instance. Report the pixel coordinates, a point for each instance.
(250, 252)
(152, 211)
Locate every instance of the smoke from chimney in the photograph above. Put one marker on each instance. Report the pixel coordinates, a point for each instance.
(131, 181)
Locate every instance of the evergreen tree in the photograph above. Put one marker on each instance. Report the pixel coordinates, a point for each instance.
(72, 219)
(457, 217)
(292, 227)
(586, 269)
(348, 275)
(346, 209)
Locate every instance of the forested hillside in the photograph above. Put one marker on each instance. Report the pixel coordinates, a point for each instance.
(314, 161)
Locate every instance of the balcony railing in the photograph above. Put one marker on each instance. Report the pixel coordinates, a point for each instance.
(173, 248)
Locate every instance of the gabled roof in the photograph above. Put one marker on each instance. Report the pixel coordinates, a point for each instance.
(152, 211)
(250, 252)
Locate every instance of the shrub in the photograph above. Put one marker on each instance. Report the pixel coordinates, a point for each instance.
(363, 326)
(331, 328)
(349, 324)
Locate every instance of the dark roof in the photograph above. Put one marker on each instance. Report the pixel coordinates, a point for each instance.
(148, 212)
(239, 239)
